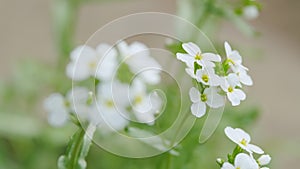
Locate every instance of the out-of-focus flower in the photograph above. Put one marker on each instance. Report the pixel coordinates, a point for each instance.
(264, 160)
(243, 139)
(250, 12)
(229, 85)
(137, 56)
(78, 98)
(57, 108)
(210, 97)
(112, 103)
(194, 54)
(87, 62)
(242, 161)
(145, 106)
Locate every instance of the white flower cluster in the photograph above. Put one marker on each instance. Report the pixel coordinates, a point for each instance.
(215, 78)
(114, 103)
(242, 157)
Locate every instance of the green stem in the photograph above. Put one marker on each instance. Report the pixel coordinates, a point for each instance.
(76, 153)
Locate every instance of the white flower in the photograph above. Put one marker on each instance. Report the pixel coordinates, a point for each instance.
(78, 97)
(145, 106)
(57, 108)
(137, 56)
(243, 139)
(264, 160)
(208, 77)
(112, 101)
(233, 58)
(234, 94)
(85, 61)
(210, 97)
(250, 12)
(194, 54)
(242, 161)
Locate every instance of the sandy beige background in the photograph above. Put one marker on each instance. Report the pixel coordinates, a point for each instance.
(26, 32)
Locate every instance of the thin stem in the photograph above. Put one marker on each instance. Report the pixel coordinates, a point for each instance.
(75, 154)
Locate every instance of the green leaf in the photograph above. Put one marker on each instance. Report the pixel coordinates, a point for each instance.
(77, 150)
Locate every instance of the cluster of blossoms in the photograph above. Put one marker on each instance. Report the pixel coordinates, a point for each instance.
(113, 103)
(215, 78)
(243, 155)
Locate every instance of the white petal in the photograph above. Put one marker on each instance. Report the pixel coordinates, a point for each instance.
(246, 79)
(191, 48)
(244, 161)
(237, 135)
(264, 159)
(198, 109)
(186, 58)
(194, 95)
(233, 80)
(58, 118)
(227, 165)
(235, 57)
(234, 99)
(82, 51)
(211, 57)
(240, 94)
(54, 103)
(255, 149)
(228, 49)
(140, 48)
(77, 72)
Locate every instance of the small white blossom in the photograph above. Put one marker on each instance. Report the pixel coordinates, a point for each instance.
(264, 160)
(57, 108)
(229, 85)
(112, 103)
(242, 161)
(208, 77)
(210, 97)
(137, 56)
(243, 139)
(145, 106)
(194, 54)
(78, 97)
(85, 61)
(233, 58)
(250, 12)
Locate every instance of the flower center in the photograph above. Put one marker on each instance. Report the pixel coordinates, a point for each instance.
(244, 142)
(230, 89)
(138, 99)
(198, 56)
(203, 97)
(238, 167)
(205, 78)
(67, 103)
(109, 103)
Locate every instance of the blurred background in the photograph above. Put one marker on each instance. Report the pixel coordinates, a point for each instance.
(28, 37)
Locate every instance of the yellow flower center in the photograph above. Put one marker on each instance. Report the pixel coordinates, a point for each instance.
(203, 97)
(205, 78)
(230, 89)
(238, 167)
(244, 142)
(198, 56)
(67, 103)
(109, 103)
(138, 99)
